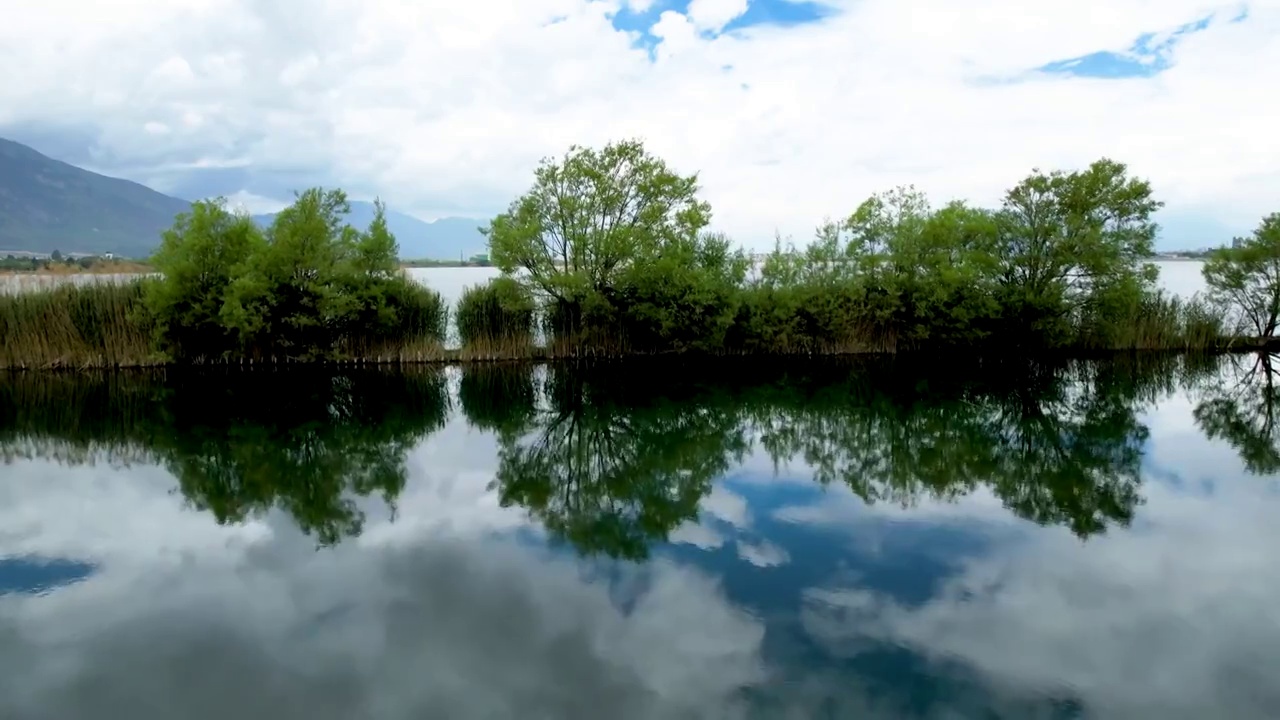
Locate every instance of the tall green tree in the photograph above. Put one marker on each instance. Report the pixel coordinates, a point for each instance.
(1067, 238)
(198, 260)
(286, 300)
(1245, 278)
(592, 215)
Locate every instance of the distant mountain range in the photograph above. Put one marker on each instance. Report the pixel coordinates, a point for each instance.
(48, 205)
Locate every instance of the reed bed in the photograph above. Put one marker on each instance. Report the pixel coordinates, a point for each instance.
(107, 325)
(496, 321)
(89, 325)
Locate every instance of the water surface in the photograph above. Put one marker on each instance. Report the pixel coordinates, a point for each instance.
(864, 539)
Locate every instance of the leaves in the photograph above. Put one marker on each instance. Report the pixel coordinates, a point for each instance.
(593, 215)
(1245, 278)
(310, 286)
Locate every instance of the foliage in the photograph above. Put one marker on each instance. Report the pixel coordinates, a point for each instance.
(198, 259)
(613, 241)
(1060, 264)
(591, 216)
(1245, 278)
(1066, 240)
(610, 252)
(310, 287)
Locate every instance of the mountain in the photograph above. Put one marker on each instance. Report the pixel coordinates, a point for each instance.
(46, 204)
(445, 239)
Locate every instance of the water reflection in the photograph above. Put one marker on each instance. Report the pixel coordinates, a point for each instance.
(763, 540)
(614, 457)
(239, 443)
(1242, 407)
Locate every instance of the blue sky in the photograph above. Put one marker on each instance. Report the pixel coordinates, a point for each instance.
(1148, 56)
(781, 13)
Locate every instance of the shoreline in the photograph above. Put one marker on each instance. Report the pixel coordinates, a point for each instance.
(142, 269)
(448, 357)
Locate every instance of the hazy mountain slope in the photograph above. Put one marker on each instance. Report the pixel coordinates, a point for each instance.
(46, 204)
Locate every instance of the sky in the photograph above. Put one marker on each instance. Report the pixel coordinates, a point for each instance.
(790, 112)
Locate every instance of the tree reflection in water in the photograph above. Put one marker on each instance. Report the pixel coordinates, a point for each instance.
(238, 442)
(617, 455)
(611, 457)
(1241, 408)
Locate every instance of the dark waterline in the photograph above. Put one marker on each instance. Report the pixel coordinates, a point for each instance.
(645, 539)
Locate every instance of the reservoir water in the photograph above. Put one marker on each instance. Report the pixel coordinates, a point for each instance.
(870, 539)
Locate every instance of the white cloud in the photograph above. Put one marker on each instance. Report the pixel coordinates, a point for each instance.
(435, 629)
(435, 103)
(1175, 618)
(256, 204)
(714, 14)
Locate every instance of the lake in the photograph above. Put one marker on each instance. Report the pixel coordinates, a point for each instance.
(646, 539)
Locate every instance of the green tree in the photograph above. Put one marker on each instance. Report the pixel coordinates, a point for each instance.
(592, 215)
(56, 255)
(286, 300)
(1245, 279)
(1065, 239)
(198, 260)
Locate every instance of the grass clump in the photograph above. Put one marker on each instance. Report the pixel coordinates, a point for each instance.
(496, 320)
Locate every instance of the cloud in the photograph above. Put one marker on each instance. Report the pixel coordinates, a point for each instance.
(439, 629)
(1173, 617)
(444, 108)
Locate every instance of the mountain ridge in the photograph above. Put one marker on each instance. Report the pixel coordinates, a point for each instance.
(47, 204)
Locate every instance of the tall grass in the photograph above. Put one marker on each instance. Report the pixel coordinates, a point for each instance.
(412, 329)
(496, 320)
(1159, 321)
(90, 325)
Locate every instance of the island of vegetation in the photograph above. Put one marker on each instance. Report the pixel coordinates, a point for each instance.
(609, 254)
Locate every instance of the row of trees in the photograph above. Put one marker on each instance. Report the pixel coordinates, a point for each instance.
(613, 457)
(609, 253)
(611, 248)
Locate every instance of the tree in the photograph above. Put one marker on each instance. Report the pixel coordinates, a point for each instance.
(197, 261)
(56, 255)
(1065, 239)
(1245, 278)
(286, 299)
(592, 215)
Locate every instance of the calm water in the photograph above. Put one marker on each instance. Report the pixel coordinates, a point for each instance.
(809, 540)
